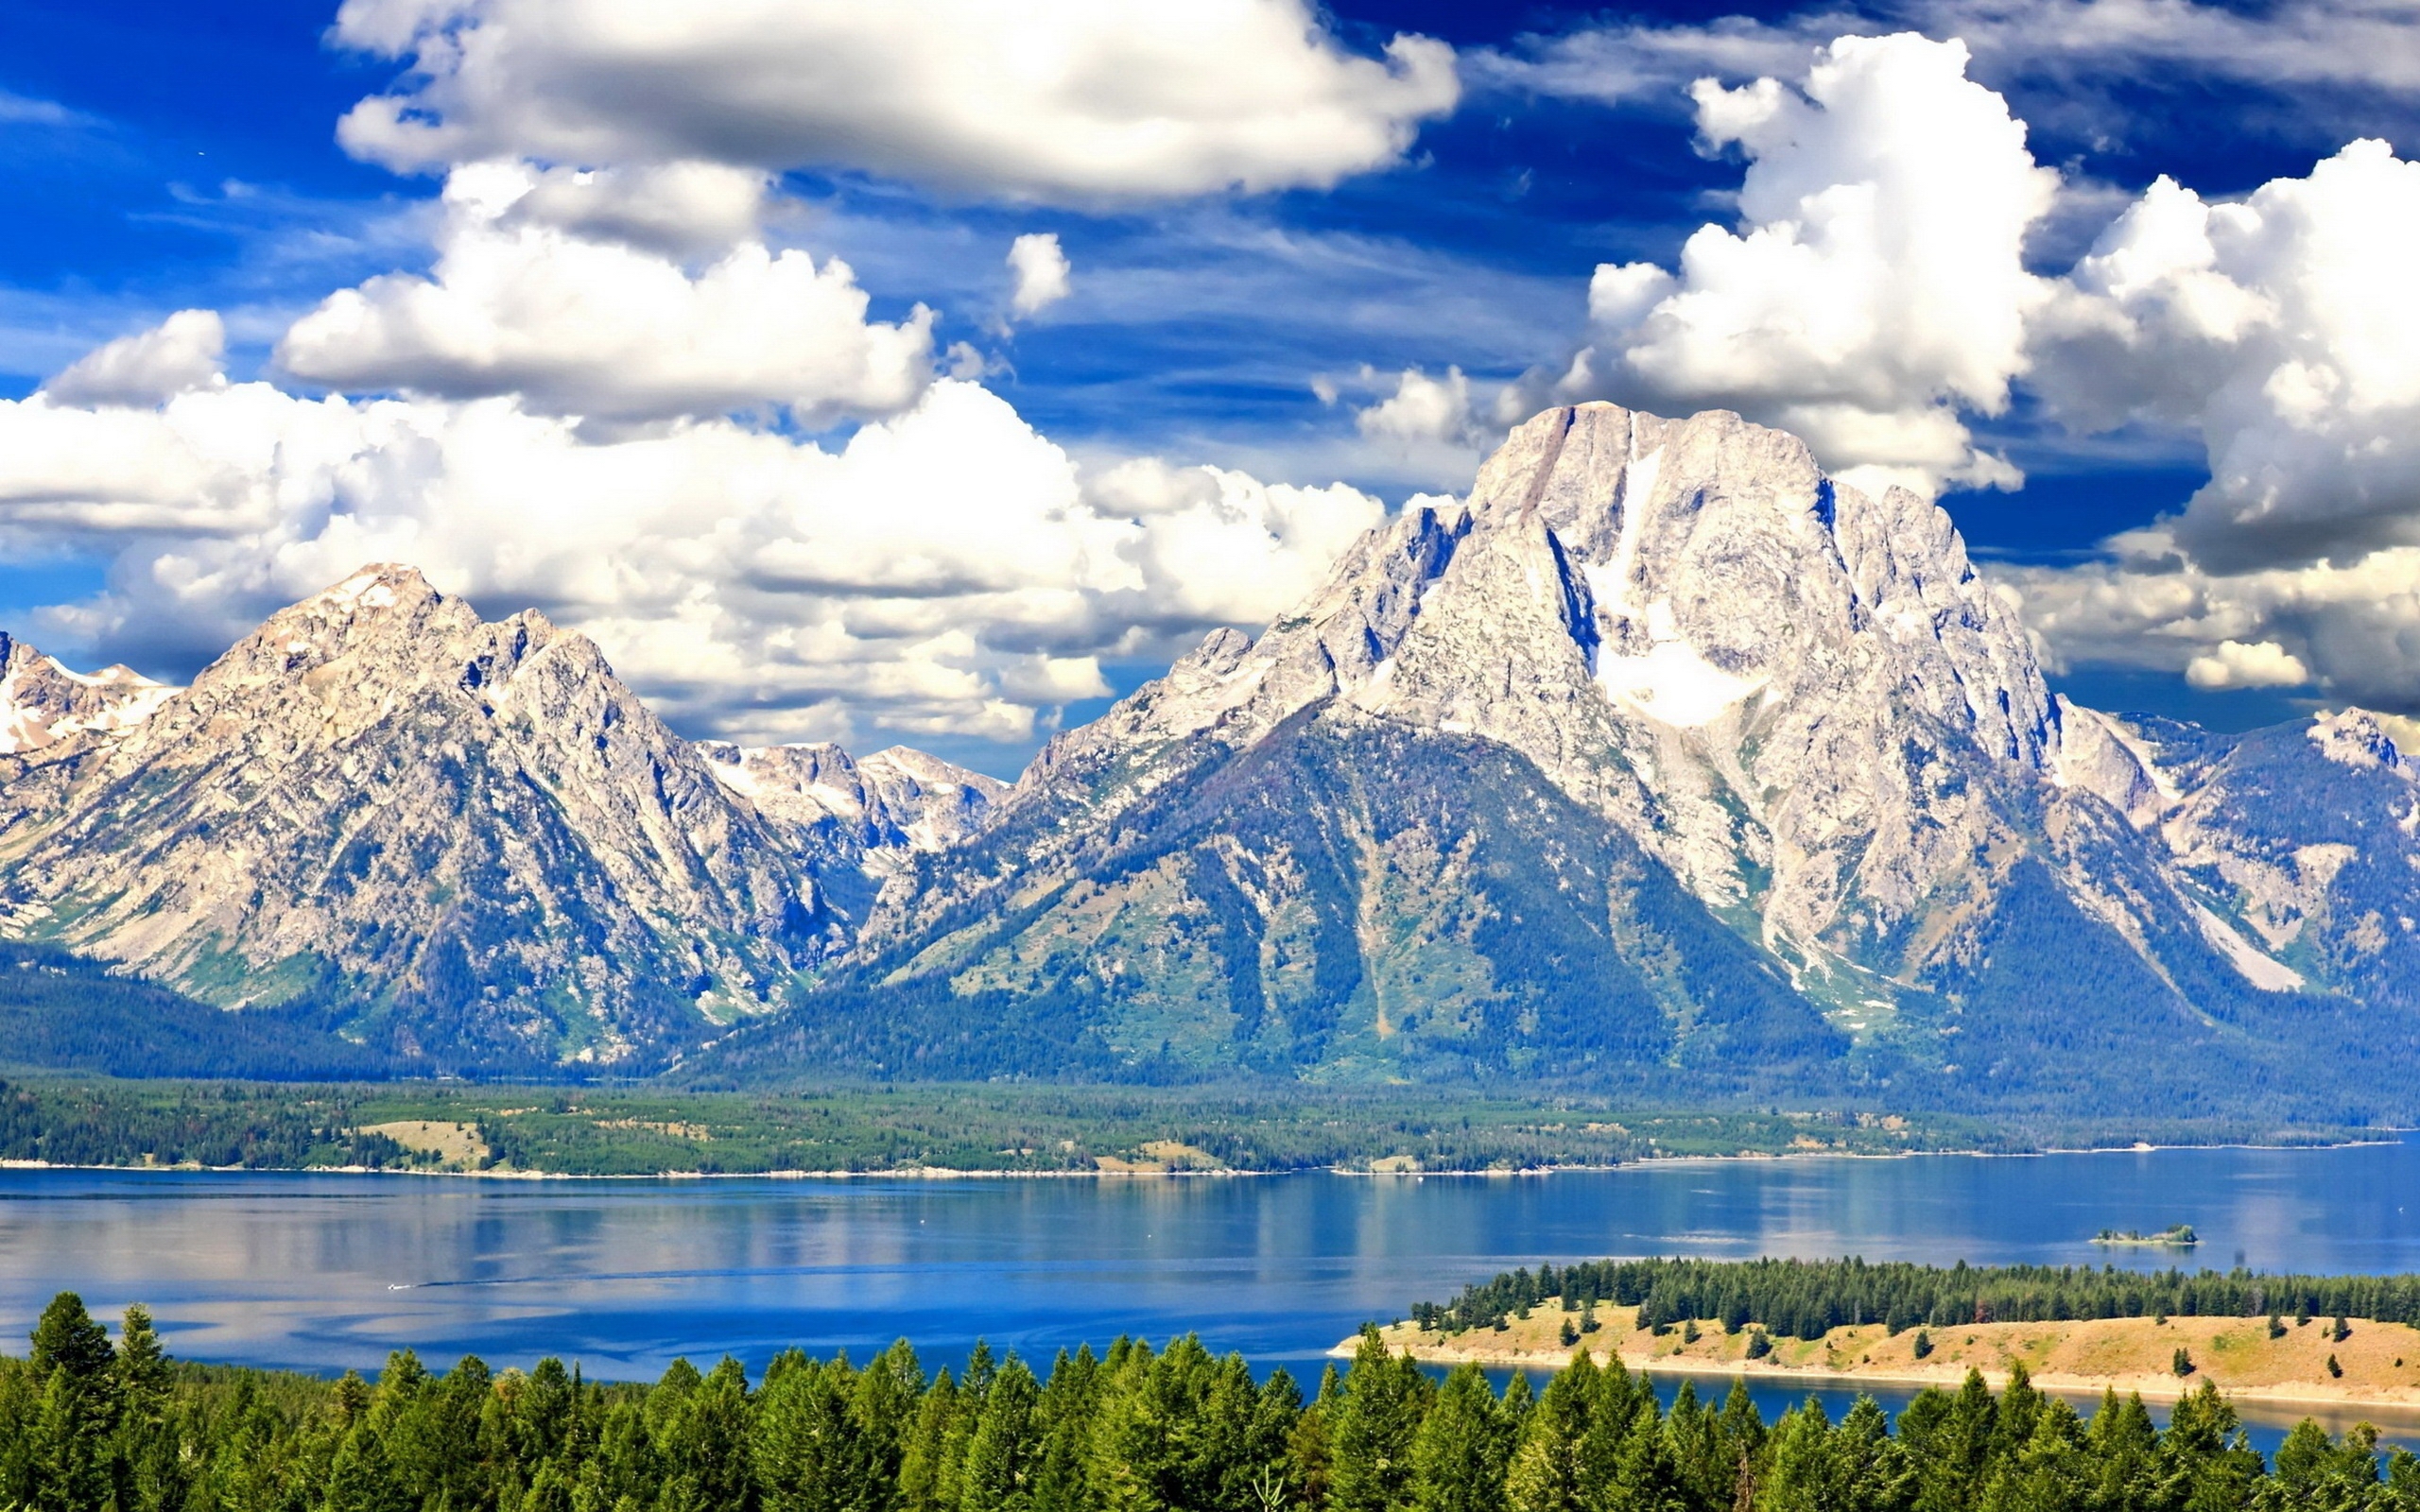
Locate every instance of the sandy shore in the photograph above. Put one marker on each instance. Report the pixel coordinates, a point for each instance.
(2380, 1361)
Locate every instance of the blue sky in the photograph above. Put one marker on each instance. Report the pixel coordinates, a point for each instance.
(161, 158)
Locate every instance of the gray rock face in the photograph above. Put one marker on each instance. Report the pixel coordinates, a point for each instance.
(858, 825)
(1784, 687)
(472, 831)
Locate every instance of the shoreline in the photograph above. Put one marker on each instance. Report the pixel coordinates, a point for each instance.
(2161, 1358)
(935, 1172)
(2151, 1388)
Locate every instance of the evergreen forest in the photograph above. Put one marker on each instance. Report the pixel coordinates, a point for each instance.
(1807, 1298)
(92, 1425)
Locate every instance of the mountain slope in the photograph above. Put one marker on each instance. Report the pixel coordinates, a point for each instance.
(1660, 762)
(855, 823)
(2304, 837)
(1347, 898)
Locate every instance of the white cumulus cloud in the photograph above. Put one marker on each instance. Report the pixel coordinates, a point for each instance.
(1876, 283)
(1034, 100)
(1422, 409)
(2285, 329)
(183, 352)
(2352, 630)
(680, 209)
(528, 302)
(2246, 664)
(1040, 269)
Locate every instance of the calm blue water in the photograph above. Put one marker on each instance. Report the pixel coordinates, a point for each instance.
(329, 1271)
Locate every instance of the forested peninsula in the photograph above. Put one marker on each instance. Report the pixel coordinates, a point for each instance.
(89, 1426)
(2334, 1339)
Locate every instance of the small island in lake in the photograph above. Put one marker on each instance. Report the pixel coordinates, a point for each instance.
(2176, 1236)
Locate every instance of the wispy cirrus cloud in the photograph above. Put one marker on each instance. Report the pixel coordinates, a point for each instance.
(25, 110)
(2318, 45)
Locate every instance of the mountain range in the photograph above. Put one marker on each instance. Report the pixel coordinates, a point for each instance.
(1661, 761)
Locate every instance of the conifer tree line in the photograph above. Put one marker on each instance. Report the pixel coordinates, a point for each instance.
(89, 1427)
(1803, 1298)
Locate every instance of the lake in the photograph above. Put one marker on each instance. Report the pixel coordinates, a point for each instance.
(323, 1272)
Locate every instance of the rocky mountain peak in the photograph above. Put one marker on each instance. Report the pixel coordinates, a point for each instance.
(1724, 573)
(380, 794)
(42, 702)
(360, 640)
(1783, 687)
(1656, 691)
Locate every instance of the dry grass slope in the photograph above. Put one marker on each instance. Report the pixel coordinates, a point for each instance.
(2380, 1361)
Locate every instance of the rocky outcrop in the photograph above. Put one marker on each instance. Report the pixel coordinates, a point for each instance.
(2301, 841)
(857, 825)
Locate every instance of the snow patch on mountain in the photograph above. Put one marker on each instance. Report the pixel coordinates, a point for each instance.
(42, 701)
(2354, 737)
(892, 801)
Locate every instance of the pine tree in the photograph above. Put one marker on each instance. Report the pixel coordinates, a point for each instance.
(809, 1451)
(2124, 1453)
(1801, 1472)
(1136, 1456)
(1461, 1451)
(1000, 1452)
(1644, 1476)
(1879, 1475)
(2313, 1473)
(142, 1366)
(1267, 1481)
(1310, 1450)
(361, 1479)
(2207, 1454)
(1064, 1413)
(928, 1479)
(1547, 1473)
(2047, 1473)
(1693, 1441)
(148, 1471)
(74, 1370)
(882, 1407)
(1385, 1398)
